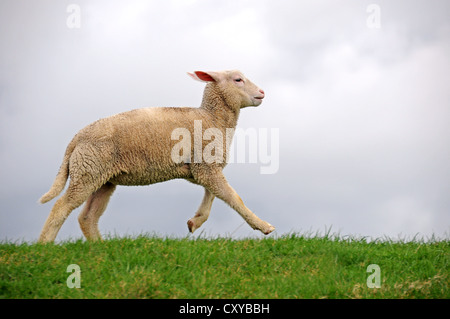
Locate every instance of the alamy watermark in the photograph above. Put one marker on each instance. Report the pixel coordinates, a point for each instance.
(73, 20)
(251, 146)
(374, 279)
(74, 279)
(374, 19)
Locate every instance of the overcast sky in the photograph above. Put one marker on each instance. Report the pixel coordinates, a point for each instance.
(359, 93)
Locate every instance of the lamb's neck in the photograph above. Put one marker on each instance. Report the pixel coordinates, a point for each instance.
(227, 115)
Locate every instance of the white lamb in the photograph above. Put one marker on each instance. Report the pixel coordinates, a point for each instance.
(136, 148)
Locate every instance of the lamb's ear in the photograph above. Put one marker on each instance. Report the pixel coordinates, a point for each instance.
(204, 76)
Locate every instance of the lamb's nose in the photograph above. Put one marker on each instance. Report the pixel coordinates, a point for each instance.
(262, 92)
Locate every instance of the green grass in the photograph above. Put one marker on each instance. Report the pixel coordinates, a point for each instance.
(293, 266)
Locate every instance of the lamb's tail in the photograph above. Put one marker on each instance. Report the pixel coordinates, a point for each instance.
(61, 177)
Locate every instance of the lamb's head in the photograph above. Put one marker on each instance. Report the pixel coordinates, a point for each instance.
(233, 86)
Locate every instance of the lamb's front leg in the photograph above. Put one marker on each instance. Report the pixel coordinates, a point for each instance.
(213, 179)
(202, 213)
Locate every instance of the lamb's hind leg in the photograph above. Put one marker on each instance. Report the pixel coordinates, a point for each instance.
(202, 213)
(93, 209)
(72, 198)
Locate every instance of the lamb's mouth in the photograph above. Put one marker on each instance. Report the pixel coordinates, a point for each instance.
(257, 101)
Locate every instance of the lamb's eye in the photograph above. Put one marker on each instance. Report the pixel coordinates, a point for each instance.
(238, 80)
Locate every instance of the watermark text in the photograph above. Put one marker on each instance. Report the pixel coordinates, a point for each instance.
(214, 145)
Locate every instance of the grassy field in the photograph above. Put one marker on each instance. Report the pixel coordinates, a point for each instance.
(293, 266)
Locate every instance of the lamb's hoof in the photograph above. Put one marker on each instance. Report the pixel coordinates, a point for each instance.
(191, 225)
(268, 230)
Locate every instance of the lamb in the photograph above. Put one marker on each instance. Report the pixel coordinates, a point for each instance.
(136, 148)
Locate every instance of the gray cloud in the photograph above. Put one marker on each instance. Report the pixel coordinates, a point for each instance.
(362, 113)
